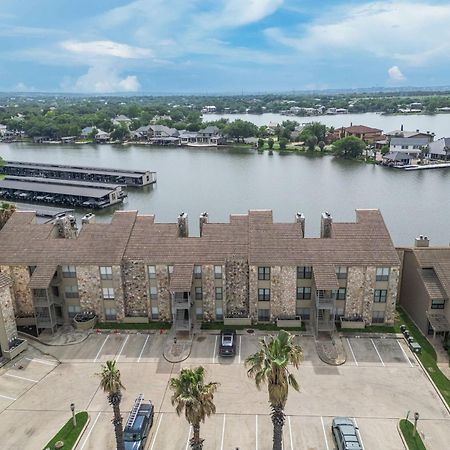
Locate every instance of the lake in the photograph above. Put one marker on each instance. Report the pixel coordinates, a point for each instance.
(224, 181)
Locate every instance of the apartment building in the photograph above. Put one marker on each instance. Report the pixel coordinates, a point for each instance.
(136, 269)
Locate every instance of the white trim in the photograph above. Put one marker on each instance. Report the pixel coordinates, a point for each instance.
(21, 378)
(142, 350)
(156, 432)
(121, 348)
(101, 348)
(404, 353)
(359, 434)
(290, 433)
(223, 432)
(351, 350)
(378, 353)
(215, 348)
(9, 398)
(256, 432)
(240, 345)
(189, 435)
(90, 431)
(41, 361)
(324, 433)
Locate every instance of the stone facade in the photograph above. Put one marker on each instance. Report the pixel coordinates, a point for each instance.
(236, 287)
(209, 293)
(8, 328)
(23, 298)
(164, 300)
(135, 289)
(393, 287)
(253, 292)
(90, 290)
(367, 294)
(283, 291)
(118, 291)
(355, 291)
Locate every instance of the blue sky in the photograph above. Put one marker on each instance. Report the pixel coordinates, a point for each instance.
(212, 46)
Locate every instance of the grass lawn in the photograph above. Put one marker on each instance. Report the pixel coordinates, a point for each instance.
(133, 326)
(68, 433)
(414, 442)
(261, 326)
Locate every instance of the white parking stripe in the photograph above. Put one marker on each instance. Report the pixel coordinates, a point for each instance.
(290, 432)
(90, 431)
(378, 353)
(189, 436)
(240, 345)
(101, 348)
(21, 378)
(223, 432)
(215, 347)
(42, 361)
(324, 433)
(256, 440)
(156, 432)
(142, 351)
(359, 434)
(121, 348)
(351, 350)
(404, 354)
(9, 398)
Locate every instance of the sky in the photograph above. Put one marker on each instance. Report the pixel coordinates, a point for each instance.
(221, 46)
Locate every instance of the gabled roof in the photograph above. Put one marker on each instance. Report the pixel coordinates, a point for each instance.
(409, 141)
(181, 277)
(325, 277)
(361, 129)
(438, 259)
(42, 276)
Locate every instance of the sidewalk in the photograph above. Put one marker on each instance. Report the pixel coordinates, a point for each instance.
(441, 356)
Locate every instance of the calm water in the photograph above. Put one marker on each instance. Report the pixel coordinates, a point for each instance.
(224, 181)
(438, 123)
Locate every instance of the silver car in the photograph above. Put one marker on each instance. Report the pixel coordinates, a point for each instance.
(346, 434)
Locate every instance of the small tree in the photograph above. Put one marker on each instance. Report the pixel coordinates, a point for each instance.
(321, 145)
(260, 143)
(349, 147)
(283, 143)
(270, 143)
(311, 143)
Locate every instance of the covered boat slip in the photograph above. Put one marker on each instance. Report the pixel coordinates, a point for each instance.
(70, 193)
(79, 173)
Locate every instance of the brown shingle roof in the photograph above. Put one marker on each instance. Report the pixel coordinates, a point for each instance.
(362, 129)
(42, 276)
(325, 277)
(181, 277)
(439, 260)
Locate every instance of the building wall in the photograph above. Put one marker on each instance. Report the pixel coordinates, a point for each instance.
(164, 300)
(23, 299)
(90, 290)
(8, 328)
(283, 291)
(208, 287)
(136, 288)
(236, 287)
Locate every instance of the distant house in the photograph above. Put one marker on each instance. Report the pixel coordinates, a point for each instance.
(158, 118)
(102, 136)
(209, 109)
(2, 130)
(367, 134)
(121, 119)
(399, 158)
(439, 149)
(86, 131)
(209, 136)
(162, 135)
(410, 134)
(408, 144)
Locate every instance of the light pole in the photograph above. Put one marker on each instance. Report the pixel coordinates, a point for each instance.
(416, 418)
(74, 419)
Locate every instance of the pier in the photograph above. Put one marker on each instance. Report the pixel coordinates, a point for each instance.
(132, 178)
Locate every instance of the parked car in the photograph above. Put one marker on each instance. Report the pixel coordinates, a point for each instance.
(227, 346)
(346, 434)
(138, 424)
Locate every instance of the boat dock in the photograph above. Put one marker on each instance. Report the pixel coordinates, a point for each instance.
(44, 214)
(424, 167)
(133, 178)
(81, 194)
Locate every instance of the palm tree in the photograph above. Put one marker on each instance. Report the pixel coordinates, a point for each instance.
(270, 365)
(195, 398)
(111, 384)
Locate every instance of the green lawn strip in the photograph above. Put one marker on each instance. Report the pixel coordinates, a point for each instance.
(133, 326)
(68, 433)
(428, 358)
(413, 442)
(371, 329)
(262, 327)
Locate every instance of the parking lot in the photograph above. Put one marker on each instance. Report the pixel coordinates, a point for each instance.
(380, 382)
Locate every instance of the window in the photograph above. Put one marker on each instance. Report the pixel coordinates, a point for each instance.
(108, 293)
(377, 316)
(73, 310)
(153, 293)
(170, 269)
(341, 294)
(437, 303)
(304, 313)
(151, 272)
(219, 293)
(198, 293)
(110, 314)
(404, 147)
(382, 274)
(71, 291)
(155, 312)
(40, 293)
(199, 313)
(264, 295)
(198, 272)
(304, 272)
(69, 271)
(379, 296)
(263, 273)
(303, 293)
(106, 273)
(263, 315)
(341, 272)
(219, 313)
(218, 272)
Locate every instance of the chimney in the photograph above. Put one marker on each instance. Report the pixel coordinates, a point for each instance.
(300, 218)
(183, 225)
(401, 128)
(417, 131)
(421, 242)
(203, 219)
(325, 225)
(66, 227)
(88, 218)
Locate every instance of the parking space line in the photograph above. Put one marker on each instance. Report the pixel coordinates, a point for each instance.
(290, 432)
(156, 432)
(378, 353)
(121, 348)
(189, 435)
(215, 347)
(21, 378)
(256, 440)
(142, 351)
(404, 354)
(223, 432)
(351, 350)
(359, 434)
(90, 431)
(324, 433)
(101, 348)
(240, 345)
(41, 361)
(8, 398)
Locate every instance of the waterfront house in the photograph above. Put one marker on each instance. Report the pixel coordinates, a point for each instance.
(86, 131)
(410, 135)
(2, 130)
(102, 136)
(425, 286)
(136, 269)
(367, 134)
(439, 150)
(121, 119)
(400, 158)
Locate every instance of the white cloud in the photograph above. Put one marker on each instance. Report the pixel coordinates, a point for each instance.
(106, 48)
(401, 30)
(395, 74)
(102, 79)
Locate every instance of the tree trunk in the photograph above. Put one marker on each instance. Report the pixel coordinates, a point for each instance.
(117, 421)
(278, 422)
(196, 442)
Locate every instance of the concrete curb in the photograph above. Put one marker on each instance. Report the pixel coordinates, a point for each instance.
(183, 357)
(48, 344)
(401, 435)
(329, 361)
(82, 431)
